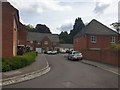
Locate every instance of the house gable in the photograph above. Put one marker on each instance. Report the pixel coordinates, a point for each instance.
(10, 19)
(46, 42)
(95, 36)
(97, 28)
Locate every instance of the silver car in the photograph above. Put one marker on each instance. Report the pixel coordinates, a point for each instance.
(75, 55)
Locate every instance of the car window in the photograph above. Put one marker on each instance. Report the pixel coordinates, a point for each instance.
(70, 53)
(75, 52)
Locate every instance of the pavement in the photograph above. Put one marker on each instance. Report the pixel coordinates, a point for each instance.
(36, 69)
(107, 67)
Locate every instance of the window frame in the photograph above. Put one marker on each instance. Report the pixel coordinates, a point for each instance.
(113, 39)
(93, 39)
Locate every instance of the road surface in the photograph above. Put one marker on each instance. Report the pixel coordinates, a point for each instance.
(70, 74)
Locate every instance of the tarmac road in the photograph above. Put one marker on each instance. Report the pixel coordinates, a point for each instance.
(70, 74)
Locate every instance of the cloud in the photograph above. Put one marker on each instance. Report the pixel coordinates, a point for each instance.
(100, 7)
(119, 11)
(39, 6)
(65, 27)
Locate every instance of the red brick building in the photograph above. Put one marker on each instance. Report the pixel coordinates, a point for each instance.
(22, 35)
(12, 30)
(94, 38)
(42, 40)
(0, 29)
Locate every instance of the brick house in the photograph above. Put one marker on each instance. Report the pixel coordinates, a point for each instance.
(95, 38)
(65, 47)
(42, 40)
(12, 30)
(22, 35)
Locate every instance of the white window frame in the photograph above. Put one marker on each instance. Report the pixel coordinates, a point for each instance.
(113, 39)
(93, 39)
(46, 42)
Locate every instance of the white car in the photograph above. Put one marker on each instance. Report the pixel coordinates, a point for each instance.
(54, 52)
(51, 52)
(75, 55)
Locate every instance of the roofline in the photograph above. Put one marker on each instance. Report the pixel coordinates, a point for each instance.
(42, 33)
(96, 34)
(103, 25)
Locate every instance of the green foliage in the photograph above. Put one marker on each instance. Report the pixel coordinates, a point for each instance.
(78, 26)
(64, 37)
(68, 38)
(116, 25)
(17, 62)
(42, 28)
(115, 47)
(39, 28)
(30, 28)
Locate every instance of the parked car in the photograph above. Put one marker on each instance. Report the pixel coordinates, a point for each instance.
(51, 52)
(62, 51)
(75, 55)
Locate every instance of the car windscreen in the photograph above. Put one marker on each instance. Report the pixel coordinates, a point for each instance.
(76, 52)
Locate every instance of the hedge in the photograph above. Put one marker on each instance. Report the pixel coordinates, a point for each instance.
(17, 62)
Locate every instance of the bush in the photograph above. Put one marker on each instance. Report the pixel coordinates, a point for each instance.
(17, 62)
(115, 47)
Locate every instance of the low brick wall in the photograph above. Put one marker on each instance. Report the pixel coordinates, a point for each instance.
(103, 56)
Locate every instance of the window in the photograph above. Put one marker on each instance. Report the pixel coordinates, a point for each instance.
(113, 40)
(93, 39)
(46, 42)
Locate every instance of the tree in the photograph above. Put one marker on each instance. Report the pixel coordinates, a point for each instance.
(78, 26)
(116, 25)
(64, 37)
(30, 28)
(42, 28)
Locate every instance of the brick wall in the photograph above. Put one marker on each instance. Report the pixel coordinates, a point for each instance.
(83, 44)
(80, 43)
(101, 42)
(7, 30)
(22, 35)
(10, 19)
(103, 56)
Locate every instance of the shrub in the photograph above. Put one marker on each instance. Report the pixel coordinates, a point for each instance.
(115, 47)
(17, 62)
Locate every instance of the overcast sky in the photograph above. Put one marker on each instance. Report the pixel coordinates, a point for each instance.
(60, 15)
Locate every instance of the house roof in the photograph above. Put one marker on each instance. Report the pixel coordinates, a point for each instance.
(96, 28)
(66, 45)
(33, 36)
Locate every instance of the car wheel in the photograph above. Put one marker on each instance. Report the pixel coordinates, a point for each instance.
(72, 59)
(81, 59)
(68, 58)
